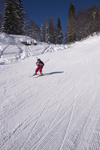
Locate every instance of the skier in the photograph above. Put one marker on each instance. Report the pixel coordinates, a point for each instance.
(40, 65)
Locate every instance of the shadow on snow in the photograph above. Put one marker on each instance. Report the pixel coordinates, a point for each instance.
(51, 73)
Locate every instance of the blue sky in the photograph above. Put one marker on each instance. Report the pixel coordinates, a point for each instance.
(38, 10)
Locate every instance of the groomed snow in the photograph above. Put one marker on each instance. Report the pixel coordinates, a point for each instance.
(58, 111)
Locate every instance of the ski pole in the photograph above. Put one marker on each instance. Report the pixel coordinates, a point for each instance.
(46, 61)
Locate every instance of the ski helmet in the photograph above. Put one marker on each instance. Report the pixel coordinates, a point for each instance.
(38, 60)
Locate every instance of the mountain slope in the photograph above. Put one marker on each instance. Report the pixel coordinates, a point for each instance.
(58, 111)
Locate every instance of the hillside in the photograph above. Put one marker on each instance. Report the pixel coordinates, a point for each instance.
(57, 111)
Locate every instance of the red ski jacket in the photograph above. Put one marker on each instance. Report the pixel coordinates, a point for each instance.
(40, 64)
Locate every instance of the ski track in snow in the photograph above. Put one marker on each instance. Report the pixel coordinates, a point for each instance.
(58, 111)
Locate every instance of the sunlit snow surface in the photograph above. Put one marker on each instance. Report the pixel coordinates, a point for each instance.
(57, 111)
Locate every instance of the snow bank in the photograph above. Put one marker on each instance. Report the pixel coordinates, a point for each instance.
(12, 49)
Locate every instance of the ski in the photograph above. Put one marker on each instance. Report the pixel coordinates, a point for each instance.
(38, 76)
(35, 76)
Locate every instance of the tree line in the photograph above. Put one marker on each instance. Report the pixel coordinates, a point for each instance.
(83, 23)
(80, 24)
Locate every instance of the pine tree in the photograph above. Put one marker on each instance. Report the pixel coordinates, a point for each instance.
(1, 21)
(59, 33)
(21, 15)
(13, 22)
(47, 35)
(10, 17)
(55, 36)
(34, 31)
(95, 19)
(1, 18)
(2, 4)
(42, 33)
(27, 25)
(72, 25)
(51, 30)
(81, 23)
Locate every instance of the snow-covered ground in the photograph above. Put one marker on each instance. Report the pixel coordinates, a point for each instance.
(58, 111)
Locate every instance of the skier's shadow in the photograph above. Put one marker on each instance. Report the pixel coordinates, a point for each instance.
(51, 73)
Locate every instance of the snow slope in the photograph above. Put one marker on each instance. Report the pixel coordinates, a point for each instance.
(58, 111)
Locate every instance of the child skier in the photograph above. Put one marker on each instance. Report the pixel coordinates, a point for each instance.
(40, 65)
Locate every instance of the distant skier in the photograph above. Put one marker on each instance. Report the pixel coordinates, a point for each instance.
(40, 65)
